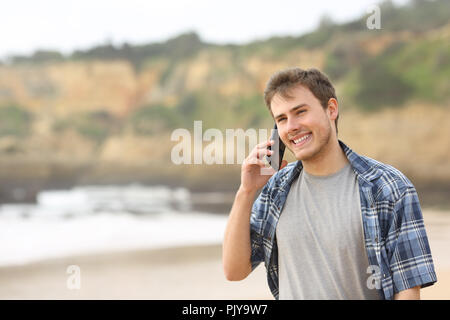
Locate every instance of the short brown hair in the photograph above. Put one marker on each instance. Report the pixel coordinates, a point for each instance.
(317, 82)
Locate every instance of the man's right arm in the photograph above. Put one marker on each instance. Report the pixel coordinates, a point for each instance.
(236, 245)
(237, 250)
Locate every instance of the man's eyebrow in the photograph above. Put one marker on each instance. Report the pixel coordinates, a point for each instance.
(292, 110)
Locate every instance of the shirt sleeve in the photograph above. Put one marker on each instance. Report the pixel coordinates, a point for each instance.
(411, 263)
(256, 227)
(257, 251)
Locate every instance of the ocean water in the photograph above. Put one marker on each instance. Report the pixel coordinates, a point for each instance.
(93, 219)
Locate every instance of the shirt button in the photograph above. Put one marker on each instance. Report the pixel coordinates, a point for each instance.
(376, 239)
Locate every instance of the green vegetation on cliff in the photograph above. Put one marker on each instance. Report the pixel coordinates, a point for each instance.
(15, 121)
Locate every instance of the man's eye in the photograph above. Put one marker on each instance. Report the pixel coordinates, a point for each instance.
(300, 111)
(279, 120)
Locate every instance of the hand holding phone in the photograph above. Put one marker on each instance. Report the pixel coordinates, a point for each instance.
(254, 173)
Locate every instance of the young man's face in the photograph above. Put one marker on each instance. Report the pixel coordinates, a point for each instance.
(303, 124)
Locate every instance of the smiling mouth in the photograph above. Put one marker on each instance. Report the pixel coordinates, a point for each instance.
(302, 140)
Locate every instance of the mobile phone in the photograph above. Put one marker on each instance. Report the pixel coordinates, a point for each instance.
(278, 147)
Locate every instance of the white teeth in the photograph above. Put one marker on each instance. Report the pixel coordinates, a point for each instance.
(301, 139)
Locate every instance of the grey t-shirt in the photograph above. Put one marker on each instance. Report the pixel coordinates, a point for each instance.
(321, 253)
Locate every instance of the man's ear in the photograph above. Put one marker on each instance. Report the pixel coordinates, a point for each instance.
(333, 109)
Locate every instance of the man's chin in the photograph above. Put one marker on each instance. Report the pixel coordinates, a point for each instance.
(308, 153)
(303, 155)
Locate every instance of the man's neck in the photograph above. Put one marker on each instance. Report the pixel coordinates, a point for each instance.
(330, 160)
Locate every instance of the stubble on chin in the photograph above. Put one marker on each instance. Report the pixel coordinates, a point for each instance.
(318, 149)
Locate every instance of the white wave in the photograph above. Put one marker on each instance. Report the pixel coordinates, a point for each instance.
(91, 199)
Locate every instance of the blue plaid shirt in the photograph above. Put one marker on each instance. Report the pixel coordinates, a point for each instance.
(394, 230)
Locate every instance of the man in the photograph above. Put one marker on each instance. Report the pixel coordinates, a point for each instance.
(332, 225)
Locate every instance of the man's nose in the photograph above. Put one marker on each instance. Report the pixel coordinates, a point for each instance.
(292, 125)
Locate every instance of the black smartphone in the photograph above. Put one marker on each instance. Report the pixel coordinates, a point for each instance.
(278, 147)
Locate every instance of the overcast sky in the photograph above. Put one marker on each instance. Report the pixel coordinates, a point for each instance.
(67, 25)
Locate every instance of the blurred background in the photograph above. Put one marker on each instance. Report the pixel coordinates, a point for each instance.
(90, 92)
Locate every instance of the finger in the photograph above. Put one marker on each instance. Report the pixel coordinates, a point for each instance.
(260, 153)
(255, 161)
(265, 144)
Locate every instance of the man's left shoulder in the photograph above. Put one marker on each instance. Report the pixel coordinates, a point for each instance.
(390, 183)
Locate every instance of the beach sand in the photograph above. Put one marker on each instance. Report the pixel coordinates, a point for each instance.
(174, 273)
(193, 272)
